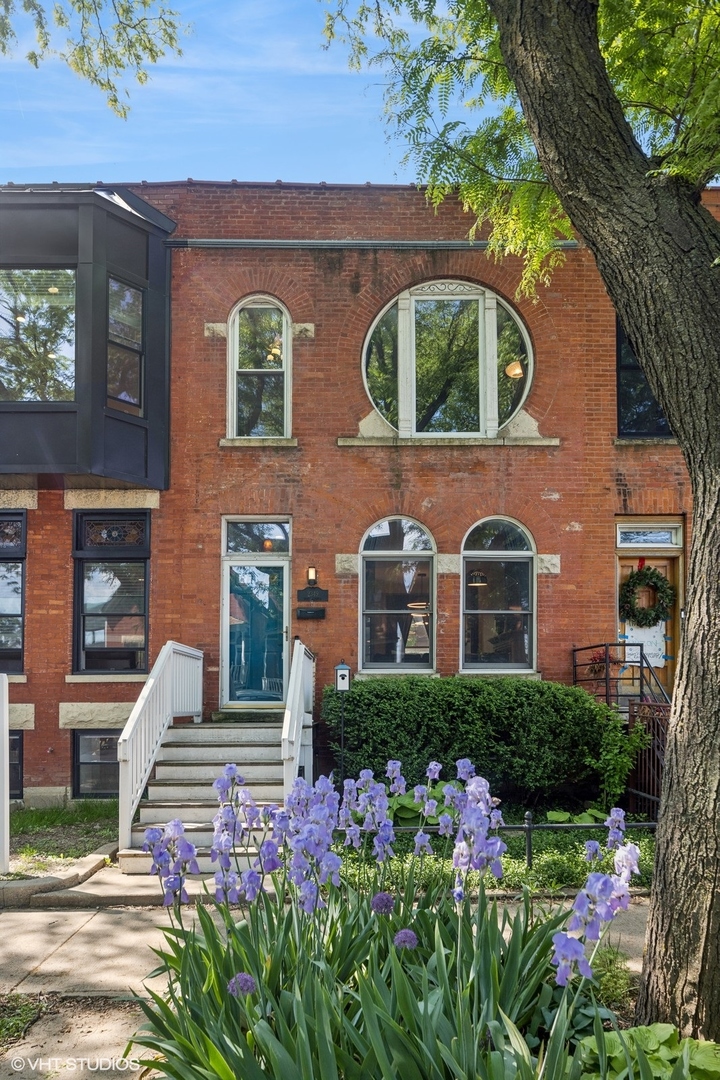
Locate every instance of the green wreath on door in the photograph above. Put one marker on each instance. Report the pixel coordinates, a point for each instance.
(646, 577)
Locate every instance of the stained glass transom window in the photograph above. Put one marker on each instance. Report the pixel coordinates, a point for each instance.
(11, 533)
(118, 533)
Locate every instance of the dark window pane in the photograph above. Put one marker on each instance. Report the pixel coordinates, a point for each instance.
(497, 639)
(260, 338)
(114, 532)
(37, 335)
(16, 765)
(124, 380)
(497, 585)
(397, 534)
(255, 536)
(381, 366)
(96, 764)
(512, 365)
(638, 412)
(397, 639)
(400, 585)
(497, 535)
(10, 633)
(261, 405)
(447, 385)
(125, 314)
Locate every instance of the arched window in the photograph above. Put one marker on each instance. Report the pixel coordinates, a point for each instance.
(397, 583)
(447, 357)
(498, 596)
(259, 343)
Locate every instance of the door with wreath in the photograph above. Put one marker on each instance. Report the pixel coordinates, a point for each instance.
(656, 625)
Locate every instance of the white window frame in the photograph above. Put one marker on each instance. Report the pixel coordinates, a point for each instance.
(248, 558)
(473, 556)
(488, 302)
(258, 300)
(674, 527)
(429, 554)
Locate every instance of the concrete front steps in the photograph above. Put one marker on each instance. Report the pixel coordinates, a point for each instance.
(191, 757)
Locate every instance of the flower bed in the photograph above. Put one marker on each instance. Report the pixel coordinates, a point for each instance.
(317, 978)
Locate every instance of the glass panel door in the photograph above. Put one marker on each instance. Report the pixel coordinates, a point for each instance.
(256, 620)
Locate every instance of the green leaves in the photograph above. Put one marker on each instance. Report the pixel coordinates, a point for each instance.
(451, 99)
(101, 40)
(531, 740)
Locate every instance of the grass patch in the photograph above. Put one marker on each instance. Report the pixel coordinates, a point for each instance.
(558, 862)
(17, 1013)
(45, 840)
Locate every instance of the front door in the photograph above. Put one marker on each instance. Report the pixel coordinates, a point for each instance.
(659, 642)
(255, 648)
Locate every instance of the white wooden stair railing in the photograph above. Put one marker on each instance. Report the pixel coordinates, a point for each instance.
(173, 688)
(296, 752)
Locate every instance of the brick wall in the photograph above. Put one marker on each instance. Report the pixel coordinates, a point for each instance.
(567, 495)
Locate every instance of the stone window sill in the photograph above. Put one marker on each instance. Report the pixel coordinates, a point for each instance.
(105, 678)
(451, 440)
(650, 441)
(17, 678)
(498, 673)
(239, 443)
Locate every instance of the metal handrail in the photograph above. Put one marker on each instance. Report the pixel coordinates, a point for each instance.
(4, 776)
(173, 688)
(298, 714)
(614, 654)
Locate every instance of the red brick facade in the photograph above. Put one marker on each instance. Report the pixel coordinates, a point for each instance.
(568, 495)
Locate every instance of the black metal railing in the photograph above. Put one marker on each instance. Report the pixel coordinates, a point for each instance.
(529, 826)
(618, 673)
(645, 784)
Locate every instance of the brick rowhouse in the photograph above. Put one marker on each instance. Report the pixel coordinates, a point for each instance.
(559, 469)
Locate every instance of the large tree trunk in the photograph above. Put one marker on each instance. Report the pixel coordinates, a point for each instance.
(654, 245)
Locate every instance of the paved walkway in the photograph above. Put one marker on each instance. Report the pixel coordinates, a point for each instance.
(106, 948)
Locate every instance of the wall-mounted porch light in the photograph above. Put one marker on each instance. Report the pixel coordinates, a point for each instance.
(312, 575)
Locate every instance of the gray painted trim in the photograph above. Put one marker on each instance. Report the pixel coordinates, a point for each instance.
(321, 245)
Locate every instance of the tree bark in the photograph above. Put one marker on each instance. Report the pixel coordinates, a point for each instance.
(654, 244)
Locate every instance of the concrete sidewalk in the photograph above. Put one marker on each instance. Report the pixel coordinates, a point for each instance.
(109, 951)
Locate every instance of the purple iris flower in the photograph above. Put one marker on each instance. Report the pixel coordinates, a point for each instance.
(433, 770)
(446, 825)
(568, 952)
(422, 843)
(592, 850)
(465, 769)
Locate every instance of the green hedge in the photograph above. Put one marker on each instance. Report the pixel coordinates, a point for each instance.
(536, 742)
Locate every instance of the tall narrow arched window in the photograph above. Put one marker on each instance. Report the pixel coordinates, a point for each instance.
(498, 596)
(397, 583)
(259, 342)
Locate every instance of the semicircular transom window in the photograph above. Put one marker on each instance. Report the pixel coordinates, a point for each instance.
(397, 596)
(448, 358)
(498, 596)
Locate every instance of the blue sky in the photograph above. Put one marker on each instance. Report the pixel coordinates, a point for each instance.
(254, 97)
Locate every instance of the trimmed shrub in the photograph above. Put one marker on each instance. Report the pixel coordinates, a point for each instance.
(535, 742)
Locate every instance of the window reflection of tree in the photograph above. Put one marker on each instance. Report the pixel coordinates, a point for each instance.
(37, 335)
(256, 627)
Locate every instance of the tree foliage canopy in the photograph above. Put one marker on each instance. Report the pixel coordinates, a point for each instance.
(103, 39)
(663, 59)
